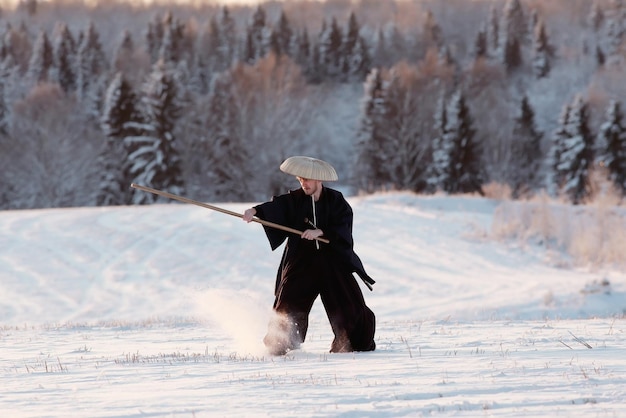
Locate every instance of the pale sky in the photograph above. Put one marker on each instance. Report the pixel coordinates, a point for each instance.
(13, 3)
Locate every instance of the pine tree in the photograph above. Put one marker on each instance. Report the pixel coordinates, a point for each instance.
(600, 57)
(330, 50)
(155, 161)
(596, 17)
(282, 36)
(356, 55)
(168, 53)
(513, 35)
(381, 55)
(464, 172)
(514, 25)
(398, 44)
(65, 58)
(612, 145)
(228, 38)
(524, 171)
(431, 35)
(511, 52)
(175, 46)
(42, 59)
(124, 52)
(543, 52)
(257, 37)
(360, 61)
(315, 71)
(154, 37)
(493, 32)
(121, 119)
(10, 77)
(5, 114)
(349, 45)
(556, 174)
(17, 44)
(91, 64)
(208, 46)
(436, 177)
(200, 73)
(302, 55)
(371, 170)
(616, 30)
(481, 46)
(577, 154)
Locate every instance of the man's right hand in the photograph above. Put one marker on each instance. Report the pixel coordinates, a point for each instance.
(249, 214)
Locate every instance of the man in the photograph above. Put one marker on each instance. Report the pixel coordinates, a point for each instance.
(309, 267)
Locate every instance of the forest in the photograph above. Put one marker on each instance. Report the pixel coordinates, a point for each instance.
(206, 100)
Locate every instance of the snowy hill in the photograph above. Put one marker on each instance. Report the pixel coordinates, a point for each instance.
(160, 310)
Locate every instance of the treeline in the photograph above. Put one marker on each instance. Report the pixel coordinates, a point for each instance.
(207, 101)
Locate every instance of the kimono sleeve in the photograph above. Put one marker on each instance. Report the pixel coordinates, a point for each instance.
(274, 211)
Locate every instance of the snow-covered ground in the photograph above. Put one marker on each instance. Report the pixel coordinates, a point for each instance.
(160, 311)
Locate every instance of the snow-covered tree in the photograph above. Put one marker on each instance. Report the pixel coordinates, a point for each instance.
(612, 145)
(511, 51)
(17, 43)
(596, 16)
(398, 45)
(576, 159)
(481, 45)
(464, 173)
(91, 65)
(65, 58)
(42, 60)
(330, 44)
(543, 52)
(356, 55)
(302, 53)
(514, 31)
(616, 29)
(371, 171)
(257, 37)
(431, 35)
(556, 174)
(493, 29)
(154, 37)
(436, 176)
(154, 158)
(282, 36)
(121, 119)
(514, 24)
(168, 53)
(381, 55)
(176, 43)
(5, 116)
(228, 38)
(526, 165)
(124, 51)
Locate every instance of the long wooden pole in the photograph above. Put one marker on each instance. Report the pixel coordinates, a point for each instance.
(218, 209)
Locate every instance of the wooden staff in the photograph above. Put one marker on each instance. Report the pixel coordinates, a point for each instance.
(215, 208)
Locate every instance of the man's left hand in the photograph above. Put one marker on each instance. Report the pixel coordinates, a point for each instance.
(311, 234)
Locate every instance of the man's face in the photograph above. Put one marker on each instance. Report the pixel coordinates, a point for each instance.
(310, 187)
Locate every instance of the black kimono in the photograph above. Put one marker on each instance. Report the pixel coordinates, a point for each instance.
(310, 268)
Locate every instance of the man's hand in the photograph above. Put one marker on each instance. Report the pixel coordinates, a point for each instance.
(249, 214)
(311, 234)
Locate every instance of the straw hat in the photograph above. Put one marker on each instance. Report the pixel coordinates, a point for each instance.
(309, 168)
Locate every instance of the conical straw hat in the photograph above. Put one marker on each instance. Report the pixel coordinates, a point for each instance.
(309, 168)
